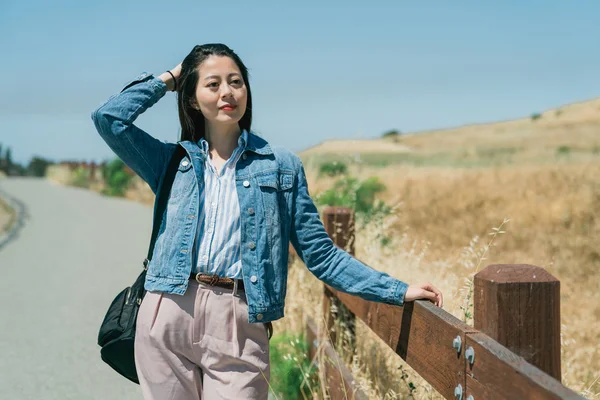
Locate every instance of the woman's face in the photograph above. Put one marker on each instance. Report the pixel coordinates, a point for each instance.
(221, 91)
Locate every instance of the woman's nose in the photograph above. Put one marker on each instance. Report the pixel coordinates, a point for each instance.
(226, 91)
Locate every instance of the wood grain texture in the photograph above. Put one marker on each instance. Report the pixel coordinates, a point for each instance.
(498, 373)
(420, 333)
(519, 307)
(340, 382)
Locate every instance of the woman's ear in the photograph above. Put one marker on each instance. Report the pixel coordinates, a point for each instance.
(193, 104)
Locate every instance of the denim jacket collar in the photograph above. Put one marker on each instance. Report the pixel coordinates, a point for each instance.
(258, 145)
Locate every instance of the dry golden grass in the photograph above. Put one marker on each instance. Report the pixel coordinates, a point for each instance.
(574, 125)
(351, 146)
(7, 216)
(438, 234)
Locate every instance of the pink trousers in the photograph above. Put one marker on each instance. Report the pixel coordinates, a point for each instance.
(200, 346)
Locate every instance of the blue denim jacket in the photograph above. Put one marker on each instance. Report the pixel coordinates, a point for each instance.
(275, 208)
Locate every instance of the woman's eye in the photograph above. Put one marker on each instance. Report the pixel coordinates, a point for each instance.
(213, 84)
(237, 81)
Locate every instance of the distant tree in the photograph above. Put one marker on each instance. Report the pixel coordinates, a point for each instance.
(8, 158)
(391, 133)
(536, 116)
(6, 161)
(37, 166)
(8, 166)
(17, 169)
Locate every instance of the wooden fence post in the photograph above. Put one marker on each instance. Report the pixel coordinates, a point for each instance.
(519, 307)
(339, 224)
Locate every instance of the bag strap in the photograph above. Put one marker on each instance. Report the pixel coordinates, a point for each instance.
(162, 197)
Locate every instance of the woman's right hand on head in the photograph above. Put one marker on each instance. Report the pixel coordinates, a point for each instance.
(168, 79)
(176, 71)
(424, 291)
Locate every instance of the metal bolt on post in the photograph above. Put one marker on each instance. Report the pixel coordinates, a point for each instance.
(457, 343)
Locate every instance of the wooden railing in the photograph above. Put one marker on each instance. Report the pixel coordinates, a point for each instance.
(512, 352)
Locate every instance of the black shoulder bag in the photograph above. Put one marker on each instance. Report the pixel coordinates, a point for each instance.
(117, 332)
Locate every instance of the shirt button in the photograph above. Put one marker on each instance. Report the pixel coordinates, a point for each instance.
(251, 245)
(253, 278)
(246, 183)
(259, 317)
(244, 156)
(184, 163)
(251, 211)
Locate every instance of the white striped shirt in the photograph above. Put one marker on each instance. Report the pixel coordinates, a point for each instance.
(219, 231)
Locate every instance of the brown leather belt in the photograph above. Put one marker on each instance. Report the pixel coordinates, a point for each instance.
(215, 280)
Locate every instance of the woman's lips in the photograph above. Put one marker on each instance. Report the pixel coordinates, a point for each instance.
(228, 108)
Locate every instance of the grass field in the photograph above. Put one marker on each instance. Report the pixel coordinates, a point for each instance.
(451, 188)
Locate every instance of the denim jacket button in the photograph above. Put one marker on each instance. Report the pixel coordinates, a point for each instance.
(251, 245)
(259, 317)
(246, 183)
(251, 211)
(253, 278)
(244, 156)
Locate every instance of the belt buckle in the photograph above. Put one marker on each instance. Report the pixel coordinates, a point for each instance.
(197, 277)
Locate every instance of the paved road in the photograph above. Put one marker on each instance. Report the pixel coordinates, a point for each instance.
(75, 251)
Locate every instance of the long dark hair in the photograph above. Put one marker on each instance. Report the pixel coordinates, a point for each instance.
(192, 120)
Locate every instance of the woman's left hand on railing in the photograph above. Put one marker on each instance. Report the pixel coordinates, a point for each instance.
(424, 291)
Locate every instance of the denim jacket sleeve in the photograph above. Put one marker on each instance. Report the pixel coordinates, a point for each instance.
(331, 264)
(144, 154)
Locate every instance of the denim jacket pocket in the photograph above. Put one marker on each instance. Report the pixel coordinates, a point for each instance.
(275, 190)
(268, 180)
(278, 180)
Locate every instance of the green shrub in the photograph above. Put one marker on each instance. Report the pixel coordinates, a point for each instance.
(356, 195)
(536, 116)
(391, 133)
(80, 178)
(365, 195)
(116, 179)
(333, 168)
(289, 363)
(563, 150)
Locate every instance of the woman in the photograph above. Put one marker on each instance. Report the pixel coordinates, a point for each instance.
(218, 273)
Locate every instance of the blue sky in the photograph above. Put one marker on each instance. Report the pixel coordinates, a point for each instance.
(318, 70)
